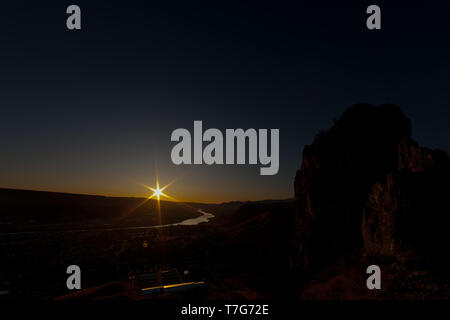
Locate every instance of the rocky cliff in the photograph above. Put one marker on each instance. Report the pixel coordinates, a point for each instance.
(366, 186)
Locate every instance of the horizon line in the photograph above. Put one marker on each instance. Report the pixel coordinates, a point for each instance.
(139, 197)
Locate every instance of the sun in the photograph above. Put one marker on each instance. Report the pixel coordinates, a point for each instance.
(158, 192)
(157, 195)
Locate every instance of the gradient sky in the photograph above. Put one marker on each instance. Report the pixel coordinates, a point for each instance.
(92, 111)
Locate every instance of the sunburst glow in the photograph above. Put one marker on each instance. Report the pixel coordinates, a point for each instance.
(158, 192)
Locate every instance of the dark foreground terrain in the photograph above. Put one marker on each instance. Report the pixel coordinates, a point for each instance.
(239, 253)
(245, 252)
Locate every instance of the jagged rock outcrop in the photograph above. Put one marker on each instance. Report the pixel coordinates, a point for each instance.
(364, 184)
(408, 210)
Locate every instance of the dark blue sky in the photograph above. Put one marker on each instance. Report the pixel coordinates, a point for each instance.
(92, 111)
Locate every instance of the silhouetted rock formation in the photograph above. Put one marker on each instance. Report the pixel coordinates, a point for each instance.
(364, 184)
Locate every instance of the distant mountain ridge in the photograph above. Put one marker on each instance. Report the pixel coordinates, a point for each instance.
(22, 209)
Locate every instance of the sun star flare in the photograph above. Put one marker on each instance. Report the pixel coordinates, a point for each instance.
(158, 192)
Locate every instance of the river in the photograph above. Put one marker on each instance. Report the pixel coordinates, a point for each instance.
(205, 217)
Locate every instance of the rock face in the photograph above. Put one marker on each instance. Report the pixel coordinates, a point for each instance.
(408, 210)
(365, 185)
